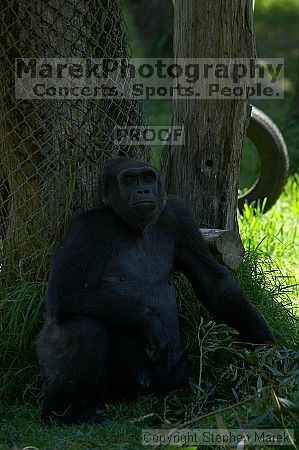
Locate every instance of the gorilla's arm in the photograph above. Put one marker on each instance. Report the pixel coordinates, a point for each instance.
(75, 290)
(213, 284)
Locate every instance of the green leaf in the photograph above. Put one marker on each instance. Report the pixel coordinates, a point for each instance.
(288, 404)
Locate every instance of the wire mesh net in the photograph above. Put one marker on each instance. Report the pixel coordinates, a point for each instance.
(52, 149)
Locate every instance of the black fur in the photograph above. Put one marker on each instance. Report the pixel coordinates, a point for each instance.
(112, 325)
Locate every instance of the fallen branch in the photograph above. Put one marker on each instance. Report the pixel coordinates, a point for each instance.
(189, 423)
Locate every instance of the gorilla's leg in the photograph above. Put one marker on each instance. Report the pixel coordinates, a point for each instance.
(74, 359)
(129, 366)
(131, 372)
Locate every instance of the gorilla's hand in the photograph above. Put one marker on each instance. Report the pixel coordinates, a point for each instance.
(155, 353)
(155, 333)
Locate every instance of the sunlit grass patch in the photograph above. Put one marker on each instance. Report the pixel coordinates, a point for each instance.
(276, 233)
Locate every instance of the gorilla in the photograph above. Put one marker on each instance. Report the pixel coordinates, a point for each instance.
(111, 328)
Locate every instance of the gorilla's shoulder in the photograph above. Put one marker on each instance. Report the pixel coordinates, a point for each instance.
(94, 218)
(173, 209)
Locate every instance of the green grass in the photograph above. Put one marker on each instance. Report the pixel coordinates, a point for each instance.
(276, 233)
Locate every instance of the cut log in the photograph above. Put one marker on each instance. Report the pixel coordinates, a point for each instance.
(225, 245)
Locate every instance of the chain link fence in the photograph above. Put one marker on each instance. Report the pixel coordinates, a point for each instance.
(52, 150)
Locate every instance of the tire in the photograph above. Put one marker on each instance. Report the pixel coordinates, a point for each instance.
(273, 154)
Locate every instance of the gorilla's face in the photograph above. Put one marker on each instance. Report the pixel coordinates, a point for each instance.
(138, 188)
(135, 192)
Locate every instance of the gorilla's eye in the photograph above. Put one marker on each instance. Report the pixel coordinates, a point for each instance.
(149, 177)
(129, 179)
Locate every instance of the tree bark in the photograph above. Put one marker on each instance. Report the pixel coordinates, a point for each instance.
(205, 171)
(52, 150)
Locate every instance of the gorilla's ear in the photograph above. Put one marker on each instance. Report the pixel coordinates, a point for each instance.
(107, 174)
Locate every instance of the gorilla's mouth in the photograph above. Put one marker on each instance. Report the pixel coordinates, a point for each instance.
(143, 203)
(143, 208)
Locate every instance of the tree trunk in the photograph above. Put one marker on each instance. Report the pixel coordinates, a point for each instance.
(205, 171)
(52, 150)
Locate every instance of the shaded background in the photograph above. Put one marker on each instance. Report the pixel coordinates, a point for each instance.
(277, 36)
